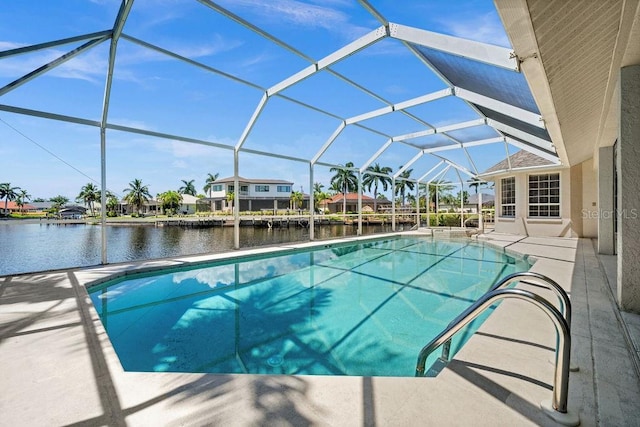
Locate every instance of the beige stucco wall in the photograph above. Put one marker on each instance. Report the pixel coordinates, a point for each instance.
(578, 204)
(576, 199)
(589, 212)
(521, 224)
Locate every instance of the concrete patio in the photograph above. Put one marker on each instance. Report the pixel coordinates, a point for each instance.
(59, 368)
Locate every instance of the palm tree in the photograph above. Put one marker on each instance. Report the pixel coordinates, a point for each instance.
(402, 184)
(112, 202)
(374, 176)
(334, 188)
(7, 192)
(188, 187)
(170, 200)
(58, 202)
(208, 187)
(296, 199)
(346, 180)
(23, 196)
(439, 192)
(476, 183)
(318, 195)
(464, 195)
(137, 194)
(89, 194)
(231, 196)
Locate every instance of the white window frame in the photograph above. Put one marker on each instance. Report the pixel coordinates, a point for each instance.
(504, 204)
(544, 196)
(284, 189)
(261, 188)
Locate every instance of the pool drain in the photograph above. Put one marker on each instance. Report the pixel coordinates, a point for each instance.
(275, 360)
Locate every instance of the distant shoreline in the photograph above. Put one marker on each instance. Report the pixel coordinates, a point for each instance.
(215, 221)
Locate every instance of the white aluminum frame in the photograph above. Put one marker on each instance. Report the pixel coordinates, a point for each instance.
(408, 36)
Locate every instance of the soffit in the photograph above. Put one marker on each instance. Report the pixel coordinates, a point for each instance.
(577, 48)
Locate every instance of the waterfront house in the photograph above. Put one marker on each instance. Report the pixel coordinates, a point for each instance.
(72, 212)
(154, 207)
(12, 207)
(335, 204)
(253, 195)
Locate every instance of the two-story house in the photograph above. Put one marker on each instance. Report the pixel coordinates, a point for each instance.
(253, 195)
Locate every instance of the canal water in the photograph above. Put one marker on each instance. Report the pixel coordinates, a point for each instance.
(41, 246)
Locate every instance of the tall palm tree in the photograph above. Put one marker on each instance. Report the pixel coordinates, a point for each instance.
(7, 192)
(23, 196)
(374, 176)
(89, 194)
(402, 184)
(346, 180)
(137, 194)
(208, 187)
(188, 187)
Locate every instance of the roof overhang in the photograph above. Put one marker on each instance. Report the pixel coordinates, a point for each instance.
(572, 64)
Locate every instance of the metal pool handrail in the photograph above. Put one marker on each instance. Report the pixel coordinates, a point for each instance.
(563, 341)
(563, 299)
(565, 303)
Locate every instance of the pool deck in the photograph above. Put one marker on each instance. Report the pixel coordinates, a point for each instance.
(57, 366)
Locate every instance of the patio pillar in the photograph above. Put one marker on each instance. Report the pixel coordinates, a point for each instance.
(628, 213)
(393, 204)
(359, 203)
(606, 210)
(480, 218)
(312, 205)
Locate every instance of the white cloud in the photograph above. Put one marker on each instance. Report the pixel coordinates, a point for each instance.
(186, 150)
(485, 28)
(87, 67)
(255, 60)
(216, 45)
(180, 164)
(4, 45)
(301, 14)
(137, 124)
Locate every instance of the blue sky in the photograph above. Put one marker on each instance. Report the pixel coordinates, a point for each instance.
(155, 92)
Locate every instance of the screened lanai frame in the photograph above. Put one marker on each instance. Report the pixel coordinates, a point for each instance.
(485, 77)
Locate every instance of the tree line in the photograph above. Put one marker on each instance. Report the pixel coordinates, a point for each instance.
(344, 181)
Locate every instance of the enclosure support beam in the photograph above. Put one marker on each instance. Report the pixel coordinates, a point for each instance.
(125, 8)
(477, 51)
(312, 204)
(359, 203)
(51, 65)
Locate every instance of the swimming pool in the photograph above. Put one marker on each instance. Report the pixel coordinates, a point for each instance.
(361, 309)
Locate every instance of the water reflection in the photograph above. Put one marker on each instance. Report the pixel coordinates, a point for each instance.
(39, 247)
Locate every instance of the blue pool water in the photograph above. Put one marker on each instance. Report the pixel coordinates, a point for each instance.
(365, 309)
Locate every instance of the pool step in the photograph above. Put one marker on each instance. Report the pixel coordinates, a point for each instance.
(447, 233)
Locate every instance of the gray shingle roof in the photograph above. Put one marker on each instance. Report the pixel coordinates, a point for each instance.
(521, 159)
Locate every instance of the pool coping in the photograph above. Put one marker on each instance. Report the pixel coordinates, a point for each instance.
(102, 274)
(62, 369)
